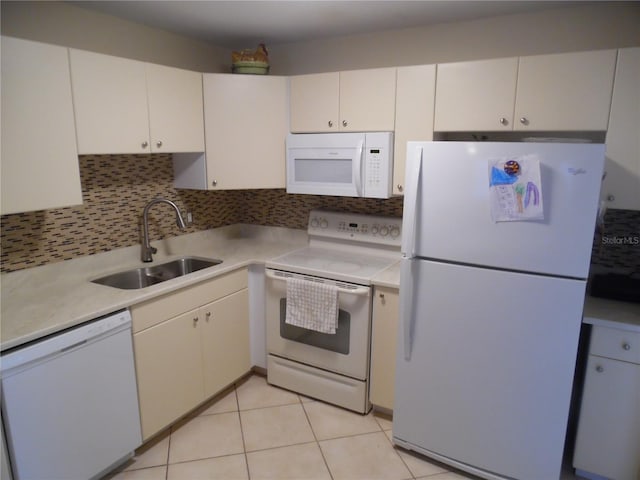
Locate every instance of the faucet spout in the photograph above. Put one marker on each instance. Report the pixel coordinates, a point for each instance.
(147, 249)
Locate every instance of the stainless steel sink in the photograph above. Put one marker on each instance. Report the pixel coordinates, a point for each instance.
(146, 276)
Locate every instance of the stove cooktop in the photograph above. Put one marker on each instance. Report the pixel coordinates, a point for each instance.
(346, 247)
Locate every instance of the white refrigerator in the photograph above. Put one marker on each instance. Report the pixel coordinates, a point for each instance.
(493, 278)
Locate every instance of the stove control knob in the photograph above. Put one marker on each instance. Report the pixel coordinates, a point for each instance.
(395, 231)
(324, 223)
(374, 230)
(314, 223)
(384, 231)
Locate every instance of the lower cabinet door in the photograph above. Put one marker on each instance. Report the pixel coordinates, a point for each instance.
(225, 341)
(169, 371)
(383, 347)
(608, 439)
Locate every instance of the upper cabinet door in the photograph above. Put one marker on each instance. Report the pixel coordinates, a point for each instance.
(368, 100)
(176, 113)
(246, 126)
(39, 157)
(568, 91)
(476, 96)
(110, 103)
(621, 186)
(314, 102)
(414, 114)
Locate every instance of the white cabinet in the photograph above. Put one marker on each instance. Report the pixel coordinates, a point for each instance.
(383, 346)
(621, 186)
(566, 91)
(246, 126)
(189, 345)
(608, 438)
(349, 101)
(559, 92)
(415, 87)
(476, 95)
(127, 106)
(39, 157)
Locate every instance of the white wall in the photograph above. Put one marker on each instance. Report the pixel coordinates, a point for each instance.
(591, 27)
(581, 27)
(72, 26)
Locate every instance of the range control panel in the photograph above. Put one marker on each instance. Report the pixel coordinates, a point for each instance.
(357, 227)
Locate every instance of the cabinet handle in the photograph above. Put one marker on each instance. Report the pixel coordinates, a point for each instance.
(344, 123)
(145, 144)
(524, 120)
(208, 315)
(400, 187)
(330, 123)
(195, 320)
(626, 346)
(611, 198)
(159, 143)
(599, 368)
(503, 121)
(214, 183)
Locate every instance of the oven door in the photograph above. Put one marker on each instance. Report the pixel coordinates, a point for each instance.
(345, 352)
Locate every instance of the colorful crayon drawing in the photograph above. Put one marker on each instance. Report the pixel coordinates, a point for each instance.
(515, 189)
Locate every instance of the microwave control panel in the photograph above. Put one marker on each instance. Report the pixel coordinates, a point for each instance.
(351, 226)
(378, 165)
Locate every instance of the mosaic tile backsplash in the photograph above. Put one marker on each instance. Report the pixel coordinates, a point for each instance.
(616, 247)
(116, 188)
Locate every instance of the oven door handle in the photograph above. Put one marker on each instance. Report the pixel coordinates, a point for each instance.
(359, 291)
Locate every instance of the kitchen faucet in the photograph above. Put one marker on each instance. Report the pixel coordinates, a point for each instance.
(147, 249)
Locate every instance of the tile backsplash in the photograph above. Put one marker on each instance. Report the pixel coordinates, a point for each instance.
(115, 189)
(616, 246)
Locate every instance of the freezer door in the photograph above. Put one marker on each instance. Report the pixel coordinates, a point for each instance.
(447, 212)
(487, 381)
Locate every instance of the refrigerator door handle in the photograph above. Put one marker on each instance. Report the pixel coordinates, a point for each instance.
(406, 305)
(411, 199)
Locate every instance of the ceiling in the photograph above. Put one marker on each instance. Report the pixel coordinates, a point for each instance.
(240, 24)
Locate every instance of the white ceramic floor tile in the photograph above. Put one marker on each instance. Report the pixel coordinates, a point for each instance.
(275, 427)
(153, 473)
(206, 436)
(288, 463)
(328, 421)
(225, 403)
(449, 476)
(256, 393)
(364, 457)
(232, 467)
(384, 421)
(420, 466)
(153, 454)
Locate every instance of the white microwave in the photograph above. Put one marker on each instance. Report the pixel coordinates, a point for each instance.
(341, 164)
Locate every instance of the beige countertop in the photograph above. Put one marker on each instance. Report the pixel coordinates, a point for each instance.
(612, 313)
(43, 300)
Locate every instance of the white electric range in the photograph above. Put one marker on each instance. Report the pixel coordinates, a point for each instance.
(346, 250)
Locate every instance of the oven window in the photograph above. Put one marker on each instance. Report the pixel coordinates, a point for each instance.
(338, 342)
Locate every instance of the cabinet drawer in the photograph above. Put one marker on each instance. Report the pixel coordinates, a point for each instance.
(158, 310)
(614, 343)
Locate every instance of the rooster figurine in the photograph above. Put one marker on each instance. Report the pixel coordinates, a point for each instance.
(261, 54)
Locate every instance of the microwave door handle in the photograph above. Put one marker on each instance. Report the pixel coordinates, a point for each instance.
(357, 168)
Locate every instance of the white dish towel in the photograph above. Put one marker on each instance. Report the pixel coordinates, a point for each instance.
(312, 305)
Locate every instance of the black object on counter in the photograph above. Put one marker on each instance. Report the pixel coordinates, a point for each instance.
(616, 287)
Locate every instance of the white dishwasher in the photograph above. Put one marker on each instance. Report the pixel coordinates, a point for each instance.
(70, 402)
